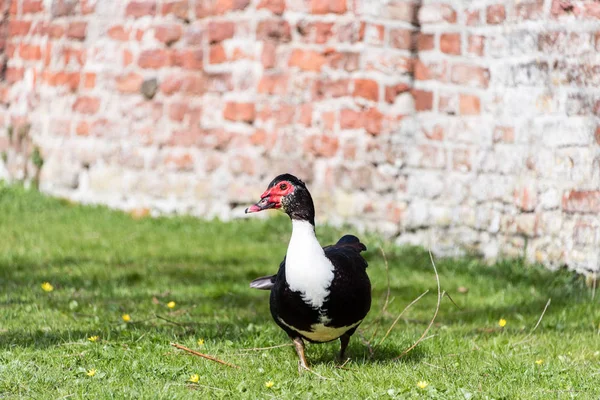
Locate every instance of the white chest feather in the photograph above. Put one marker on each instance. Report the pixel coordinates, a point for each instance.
(307, 269)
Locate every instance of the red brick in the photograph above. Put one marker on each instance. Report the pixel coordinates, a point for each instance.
(188, 58)
(140, 8)
(370, 120)
(118, 32)
(476, 44)
(180, 162)
(32, 6)
(18, 28)
(495, 14)
(401, 38)
(469, 104)
(448, 104)
(127, 57)
(391, 92)
(430, 71)
(224, 6)
(305, 115)
(129, 83)
(219, 31)
(178, 8)
(217, 54)
(348, 61)
(171, 84)
(435, 133)
(525, 198)
(193, 84)
(582, 201)
(154, 59)
(597, 134)
(89, 81)
(470, 75)
(327, 88)
(504, 134)
(450, 43)
(307, 60)
(77, 30)
(423, 100)
(529, 10)
(367, 89)
(177, 111)
(273, 84)
(277, 30)
(592, 10)
(168, 33)
(472, 17)
(88, 6)
(13, 74)
(425, 42)
(321, 146)
(268, 56)
(328, 6)
(86, 105)
(82, 128)
(30, 52)
(243, 112)
(315, 31)
(436, 13)
(276, 6)
(69, 79)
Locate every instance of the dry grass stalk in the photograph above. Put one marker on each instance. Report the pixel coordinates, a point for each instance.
(536, 325)
(437, 309)
(400, 315)
(211, 358)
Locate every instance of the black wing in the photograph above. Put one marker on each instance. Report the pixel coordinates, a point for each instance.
(263, 283)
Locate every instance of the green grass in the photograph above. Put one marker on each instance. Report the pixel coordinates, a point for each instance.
(104, 264)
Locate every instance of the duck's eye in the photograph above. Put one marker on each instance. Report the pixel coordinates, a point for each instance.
(283, 186)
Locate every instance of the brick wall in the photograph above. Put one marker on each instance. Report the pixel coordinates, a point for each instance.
(464, 125)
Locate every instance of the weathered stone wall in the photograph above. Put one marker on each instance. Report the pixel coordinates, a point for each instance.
(464, 125)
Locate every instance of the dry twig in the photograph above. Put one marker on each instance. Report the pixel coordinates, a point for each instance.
(400, 315)
(437, 308)
(266, 348)
(211, 358)
(536, 325)
(377, 321)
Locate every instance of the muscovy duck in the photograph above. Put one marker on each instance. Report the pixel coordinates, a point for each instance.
(320, 293)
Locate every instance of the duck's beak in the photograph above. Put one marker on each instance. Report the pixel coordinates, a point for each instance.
(265, 203)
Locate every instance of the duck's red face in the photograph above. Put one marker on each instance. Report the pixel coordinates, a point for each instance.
(273, 197)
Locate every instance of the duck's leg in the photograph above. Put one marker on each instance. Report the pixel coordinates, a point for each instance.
(344, 339)
(299, 346)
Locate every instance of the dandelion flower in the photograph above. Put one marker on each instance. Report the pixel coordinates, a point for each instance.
(93, 338)
(539, 362)
(269, 384)
(171, 304)
(91, 372)
(194, 378)
(126, 317)
(422, 384)
(47, 287)
(200, 342)
(502, 322)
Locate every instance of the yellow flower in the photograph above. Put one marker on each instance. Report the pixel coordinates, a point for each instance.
(126, 317)
(171, 304)
(502, 322)
(47, 287)
(200, 342)
(269, 384)
(539, 362)
(194, 378)
(422, 384)
(93, 338)
(91, 372)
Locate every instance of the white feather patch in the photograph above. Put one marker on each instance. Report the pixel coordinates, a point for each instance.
(322, 333)
(307, 269)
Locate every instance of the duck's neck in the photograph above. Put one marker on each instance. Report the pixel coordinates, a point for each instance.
(307, 269)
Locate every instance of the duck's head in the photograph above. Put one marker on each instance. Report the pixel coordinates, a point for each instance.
(288, 194)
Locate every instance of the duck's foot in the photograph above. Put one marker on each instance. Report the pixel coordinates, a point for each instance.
(299, 346)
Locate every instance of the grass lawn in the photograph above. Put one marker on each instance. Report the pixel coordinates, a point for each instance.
(104, 264)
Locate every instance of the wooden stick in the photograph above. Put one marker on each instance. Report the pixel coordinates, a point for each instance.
(437, 308)
(203, 355)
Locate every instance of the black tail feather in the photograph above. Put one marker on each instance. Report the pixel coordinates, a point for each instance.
(352, 241)
(263, 283)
